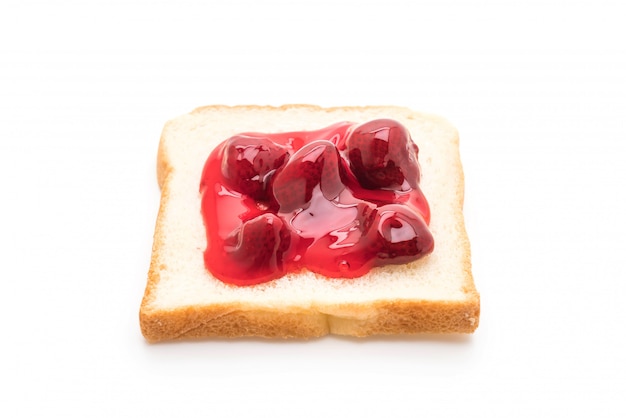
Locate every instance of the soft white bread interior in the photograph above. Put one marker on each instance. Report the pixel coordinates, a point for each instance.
(435, 294)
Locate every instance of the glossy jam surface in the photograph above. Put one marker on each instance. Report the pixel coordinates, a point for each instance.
(337, 201)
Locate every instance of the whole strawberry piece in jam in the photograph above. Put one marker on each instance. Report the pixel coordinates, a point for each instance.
(255, 252)
(382, 155)
(402, 234)
(317, 164)
(249, 162)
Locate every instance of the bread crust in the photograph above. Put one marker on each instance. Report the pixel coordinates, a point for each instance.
(386, 318)
(229, 320)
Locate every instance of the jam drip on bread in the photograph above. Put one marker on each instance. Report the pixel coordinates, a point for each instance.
(337, 201)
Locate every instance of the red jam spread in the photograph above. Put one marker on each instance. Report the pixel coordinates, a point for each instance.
(337, 201)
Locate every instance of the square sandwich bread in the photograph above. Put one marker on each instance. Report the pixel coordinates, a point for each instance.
(182, 300)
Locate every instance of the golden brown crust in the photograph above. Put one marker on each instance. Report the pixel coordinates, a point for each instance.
(163, 164)
(239, 320)
(412, 317)
(153, 273)
(394, 317)
(230, 321)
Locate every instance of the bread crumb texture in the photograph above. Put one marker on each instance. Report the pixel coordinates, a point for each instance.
(435, 294)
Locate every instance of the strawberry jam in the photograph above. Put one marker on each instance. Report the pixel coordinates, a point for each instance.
(337, 201)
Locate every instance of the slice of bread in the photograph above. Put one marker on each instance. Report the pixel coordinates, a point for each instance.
(435, 294)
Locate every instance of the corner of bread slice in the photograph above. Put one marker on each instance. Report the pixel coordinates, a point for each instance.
(182, 300)
(408, 317)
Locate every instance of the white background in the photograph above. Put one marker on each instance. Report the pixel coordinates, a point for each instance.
(537, 90)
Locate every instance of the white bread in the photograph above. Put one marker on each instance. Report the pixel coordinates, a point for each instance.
(435, 294)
